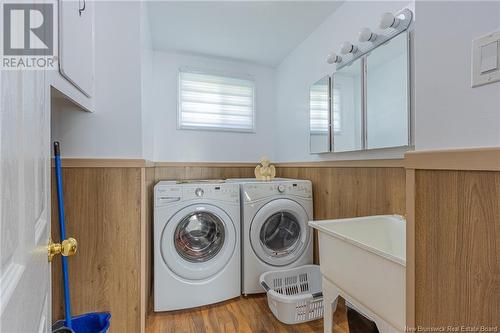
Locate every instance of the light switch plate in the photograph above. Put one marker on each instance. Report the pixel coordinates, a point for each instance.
(485, 64)
(489, 57)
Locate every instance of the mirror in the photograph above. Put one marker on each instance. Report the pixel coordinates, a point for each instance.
(387, 107)
(319, 116)
(364, 104)
(347, 108)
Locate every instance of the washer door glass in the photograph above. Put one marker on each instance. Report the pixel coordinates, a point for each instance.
(280, 233)
(198, 241)
(199, 236)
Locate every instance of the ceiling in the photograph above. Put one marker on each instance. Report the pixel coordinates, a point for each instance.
(262, 32)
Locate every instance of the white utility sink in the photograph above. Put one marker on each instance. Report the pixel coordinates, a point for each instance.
(364, 261)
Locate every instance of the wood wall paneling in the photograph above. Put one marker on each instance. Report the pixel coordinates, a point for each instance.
(103, 212)
(338, 192)
(105, 163)
(109, 211)
(352, 192)
(457, 248)
(202, 172)
(410, 248)
(454, 217)
(147, 184)
(371, 163)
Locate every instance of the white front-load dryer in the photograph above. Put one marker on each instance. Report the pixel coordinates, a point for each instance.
(196, 244)
(275, 231)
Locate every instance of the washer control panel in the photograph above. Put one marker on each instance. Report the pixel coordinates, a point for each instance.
(256, 191)
(169, 194)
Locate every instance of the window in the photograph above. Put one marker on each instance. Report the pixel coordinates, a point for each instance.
(319, 110)
(318, 106)
(215, 102)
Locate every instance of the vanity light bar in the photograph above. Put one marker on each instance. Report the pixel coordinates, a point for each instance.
(333, 58)
(390, 25)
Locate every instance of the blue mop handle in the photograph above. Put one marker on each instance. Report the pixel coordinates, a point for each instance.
(62, 229)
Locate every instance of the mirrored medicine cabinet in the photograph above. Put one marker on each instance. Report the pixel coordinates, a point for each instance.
(365, 104)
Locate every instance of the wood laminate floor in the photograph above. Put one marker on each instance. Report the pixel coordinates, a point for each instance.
(243, 314)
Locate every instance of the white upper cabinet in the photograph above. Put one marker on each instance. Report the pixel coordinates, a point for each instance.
(75, 79)
(76, 49)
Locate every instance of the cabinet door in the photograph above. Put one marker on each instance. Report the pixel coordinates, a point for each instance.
(76, 43)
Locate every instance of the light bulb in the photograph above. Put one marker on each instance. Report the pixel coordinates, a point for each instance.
(348, 47)
(333, 58)
(366, 35)
(387, 20)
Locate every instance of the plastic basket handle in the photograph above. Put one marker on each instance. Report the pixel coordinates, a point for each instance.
(317, 295)
(265, 286)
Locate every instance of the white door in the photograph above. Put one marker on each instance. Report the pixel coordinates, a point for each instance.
(24, 202)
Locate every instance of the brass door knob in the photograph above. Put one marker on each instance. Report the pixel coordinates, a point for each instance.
(66, 248)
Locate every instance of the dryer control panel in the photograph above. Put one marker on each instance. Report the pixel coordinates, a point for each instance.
(169, 194)
(256, 191)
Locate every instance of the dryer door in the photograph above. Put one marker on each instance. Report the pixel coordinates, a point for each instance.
(198, 241)
(279, 233)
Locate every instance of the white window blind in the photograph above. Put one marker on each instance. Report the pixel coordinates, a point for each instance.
(318, 106)
(217, 102)
(319, 110)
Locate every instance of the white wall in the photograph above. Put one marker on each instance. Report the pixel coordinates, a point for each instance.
(114, 130)
(449, 113)
(305, 65)
(172, 144)
(147, 116)
(136, 89)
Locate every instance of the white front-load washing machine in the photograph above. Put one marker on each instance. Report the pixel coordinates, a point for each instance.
(196, 244)
(275, 231)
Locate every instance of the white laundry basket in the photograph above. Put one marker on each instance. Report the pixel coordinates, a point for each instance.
(294, 295)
